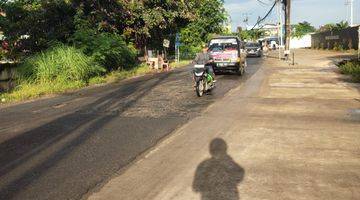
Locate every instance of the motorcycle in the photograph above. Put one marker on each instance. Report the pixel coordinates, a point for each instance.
(204, 81)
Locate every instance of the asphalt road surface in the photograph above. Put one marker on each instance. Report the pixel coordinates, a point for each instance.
(64, 147)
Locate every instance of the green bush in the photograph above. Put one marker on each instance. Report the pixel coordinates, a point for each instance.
(352, 68)
(110, 50)
(189, 52)
(59, 64)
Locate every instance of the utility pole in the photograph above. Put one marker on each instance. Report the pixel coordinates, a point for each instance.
(281, 24)
(287, 27)
(359, 44)
(280, 27)
(350, 3)
(351, 12)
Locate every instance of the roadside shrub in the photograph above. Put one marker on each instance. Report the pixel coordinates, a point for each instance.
(108, 49)
(338, 47)
(59, 64)
(351, 68)
(189, 52)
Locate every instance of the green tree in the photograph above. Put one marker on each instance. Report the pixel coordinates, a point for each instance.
(41, 22)
(104, 16)
(334, 27)
(142, 22)
(151, 21)
(252, 35)
(209, 19)
(302, 29)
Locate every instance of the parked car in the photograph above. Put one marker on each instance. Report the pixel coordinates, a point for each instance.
(253, 49)
(227, 53)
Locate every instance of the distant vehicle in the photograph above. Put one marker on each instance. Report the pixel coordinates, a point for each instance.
(273, 42)
(253, 49)
(227, 53)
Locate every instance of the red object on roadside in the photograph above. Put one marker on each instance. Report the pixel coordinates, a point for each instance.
(5, 45)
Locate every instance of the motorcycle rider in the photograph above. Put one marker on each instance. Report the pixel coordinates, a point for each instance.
(202, 59)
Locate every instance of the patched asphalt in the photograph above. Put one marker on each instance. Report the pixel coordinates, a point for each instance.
(65, 146)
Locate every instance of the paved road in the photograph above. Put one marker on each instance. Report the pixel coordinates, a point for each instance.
(62, 147)
(289, 132)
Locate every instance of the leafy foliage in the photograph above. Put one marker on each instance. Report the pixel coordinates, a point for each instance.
(41, 22)
(105, 16)
(302, 29)
(151, 21)
(107, 49)
(209, 19)
(144, 23)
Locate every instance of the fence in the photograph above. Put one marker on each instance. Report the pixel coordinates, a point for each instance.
(347, 38)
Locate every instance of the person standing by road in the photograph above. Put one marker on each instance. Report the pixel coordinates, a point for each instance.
(265, 49)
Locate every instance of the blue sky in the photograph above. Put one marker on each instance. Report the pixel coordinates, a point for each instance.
(317, 12)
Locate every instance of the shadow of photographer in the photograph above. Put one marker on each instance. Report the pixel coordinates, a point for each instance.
(217, 178)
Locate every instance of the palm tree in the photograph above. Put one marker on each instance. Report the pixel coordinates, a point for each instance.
(342, 25)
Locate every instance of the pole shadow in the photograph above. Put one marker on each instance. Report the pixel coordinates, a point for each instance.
(217, 178)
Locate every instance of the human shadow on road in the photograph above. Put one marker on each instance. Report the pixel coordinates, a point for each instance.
(218, 177)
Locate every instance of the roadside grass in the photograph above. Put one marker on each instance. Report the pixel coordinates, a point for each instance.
(180, 64)
(141, 69)
(27, 90)
(352, 68)
(119, 75)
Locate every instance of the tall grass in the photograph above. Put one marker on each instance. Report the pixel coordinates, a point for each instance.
(62, 63)
(53, 71)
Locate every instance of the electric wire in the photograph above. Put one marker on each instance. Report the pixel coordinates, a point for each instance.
(267, 14)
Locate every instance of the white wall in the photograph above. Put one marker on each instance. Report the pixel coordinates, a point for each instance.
(303, 42)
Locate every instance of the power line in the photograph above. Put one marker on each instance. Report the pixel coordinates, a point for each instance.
(263, 3)
(267, 14)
